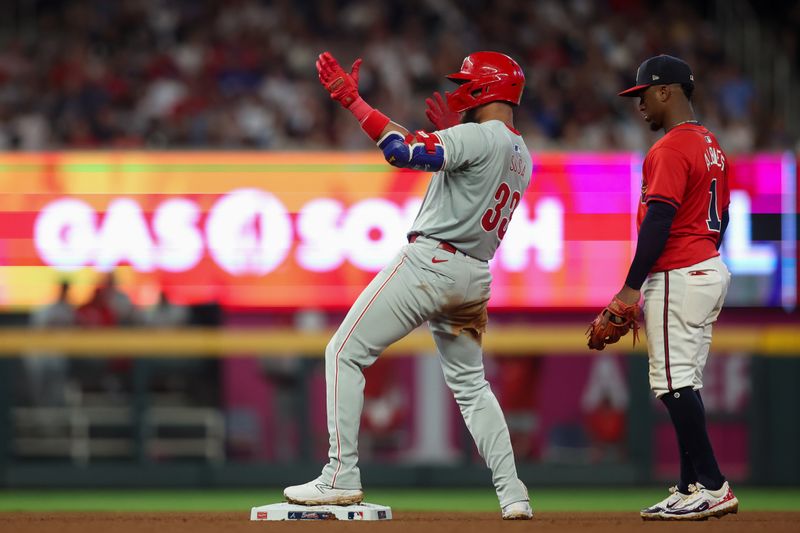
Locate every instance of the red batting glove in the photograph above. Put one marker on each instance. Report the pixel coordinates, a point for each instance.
(344, 89)
(439, 114)
(342, 86)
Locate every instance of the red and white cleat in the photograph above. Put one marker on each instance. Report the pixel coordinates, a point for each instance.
(654, 511)
(703, 503)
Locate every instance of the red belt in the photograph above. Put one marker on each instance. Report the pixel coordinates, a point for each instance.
(444, 245)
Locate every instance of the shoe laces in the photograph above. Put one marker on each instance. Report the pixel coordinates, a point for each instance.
(692, 488)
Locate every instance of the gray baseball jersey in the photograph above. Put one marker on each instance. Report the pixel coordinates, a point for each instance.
(469, 204)
(470, 201)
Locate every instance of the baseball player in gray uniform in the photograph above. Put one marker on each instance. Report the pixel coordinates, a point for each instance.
(482, 167)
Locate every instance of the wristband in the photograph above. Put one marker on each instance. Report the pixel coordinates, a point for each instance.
(374, 124)
(359, 108)
(372, 121)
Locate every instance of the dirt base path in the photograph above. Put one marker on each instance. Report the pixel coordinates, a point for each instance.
(407, 522)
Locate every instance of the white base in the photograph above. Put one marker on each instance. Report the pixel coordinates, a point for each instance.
(290, 511)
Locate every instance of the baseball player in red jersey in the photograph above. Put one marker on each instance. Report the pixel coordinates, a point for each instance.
(683, 213)
(481, 170)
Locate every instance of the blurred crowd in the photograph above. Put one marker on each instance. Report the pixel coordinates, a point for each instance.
(229, 74)
(108, 306)
(50, 378)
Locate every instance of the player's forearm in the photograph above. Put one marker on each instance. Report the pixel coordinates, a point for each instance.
(394, 126)
(653, 235)
(374, 123)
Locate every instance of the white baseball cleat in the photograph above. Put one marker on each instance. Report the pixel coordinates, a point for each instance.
(319, 493)
(518, 511)
(654, 511)
(703, 503)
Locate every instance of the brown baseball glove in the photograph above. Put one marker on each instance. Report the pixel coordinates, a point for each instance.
(613, 323)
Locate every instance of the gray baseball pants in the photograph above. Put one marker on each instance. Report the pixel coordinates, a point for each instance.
(450, 291)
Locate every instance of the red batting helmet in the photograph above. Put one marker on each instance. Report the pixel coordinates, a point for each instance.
(486, 77)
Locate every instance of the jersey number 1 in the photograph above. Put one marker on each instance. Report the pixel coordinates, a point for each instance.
(492, 217)
(712, 221)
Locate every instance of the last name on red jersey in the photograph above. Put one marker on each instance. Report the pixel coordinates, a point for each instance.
(688, 170)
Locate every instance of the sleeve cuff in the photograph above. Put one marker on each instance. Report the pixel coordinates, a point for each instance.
(658, 198)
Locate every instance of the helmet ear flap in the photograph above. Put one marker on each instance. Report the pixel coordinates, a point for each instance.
(487, 77)
(463, 97)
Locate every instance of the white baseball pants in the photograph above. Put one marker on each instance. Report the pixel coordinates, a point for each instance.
(681, 306)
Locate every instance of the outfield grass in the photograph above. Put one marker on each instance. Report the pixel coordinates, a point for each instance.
(751, 499)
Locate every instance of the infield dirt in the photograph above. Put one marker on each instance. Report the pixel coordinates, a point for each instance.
(407, 522)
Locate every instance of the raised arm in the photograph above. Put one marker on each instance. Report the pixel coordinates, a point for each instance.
(420, 150)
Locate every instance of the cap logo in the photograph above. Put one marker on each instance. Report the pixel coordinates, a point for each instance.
(656, 77)
(691, 77)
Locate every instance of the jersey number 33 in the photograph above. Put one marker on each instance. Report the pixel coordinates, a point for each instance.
(492, 219)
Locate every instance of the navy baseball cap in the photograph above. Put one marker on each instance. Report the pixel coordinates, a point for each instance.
(660, 70)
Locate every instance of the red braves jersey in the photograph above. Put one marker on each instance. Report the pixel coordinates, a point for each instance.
(688, 170)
